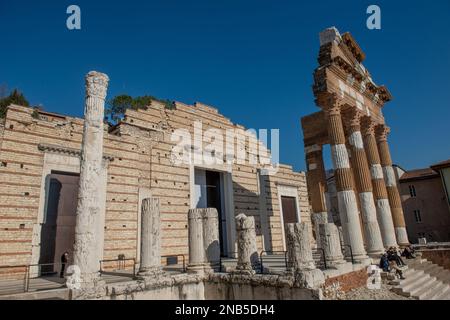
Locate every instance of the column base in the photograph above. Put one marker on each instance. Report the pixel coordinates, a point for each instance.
(402, 236)
(197, 268)
(150, 272)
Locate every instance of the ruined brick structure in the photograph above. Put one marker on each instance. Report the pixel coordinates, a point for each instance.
(352, 123)
(36, 146)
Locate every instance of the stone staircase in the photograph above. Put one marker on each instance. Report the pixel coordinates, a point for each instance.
(424, 281)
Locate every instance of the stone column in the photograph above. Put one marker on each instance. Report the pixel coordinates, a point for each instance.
(89, 216)
(246, 240)
(363, 182)
(150, 238)
(196, 242)
(348, 208)
(331, 244)
(391, 185)
(211, 240)
(317, 187)
(298, 246)
(379, 188)
(300, 260)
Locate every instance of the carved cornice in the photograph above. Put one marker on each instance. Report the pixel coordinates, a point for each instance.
(50, 148)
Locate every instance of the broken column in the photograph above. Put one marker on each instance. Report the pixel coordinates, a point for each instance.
(150, 262)
(211, 241)
(196, 242)
(246, 241)
(89, 208)
(300, 259)
(299, 247)
(331, 244)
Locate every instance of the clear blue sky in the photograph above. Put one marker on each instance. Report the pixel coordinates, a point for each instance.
(251, 59)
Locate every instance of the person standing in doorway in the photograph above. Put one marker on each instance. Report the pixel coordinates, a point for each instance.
(64, 260)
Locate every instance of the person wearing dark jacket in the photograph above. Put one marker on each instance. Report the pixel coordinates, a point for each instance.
(64, 260)
(384, 263)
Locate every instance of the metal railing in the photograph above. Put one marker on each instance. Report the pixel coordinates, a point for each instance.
(272, 252)
(178, 255)
(121, 264)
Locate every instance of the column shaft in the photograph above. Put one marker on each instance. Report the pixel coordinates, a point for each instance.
(348, 208)
(379, 188)
(391, 186)
(89, 219)
(361, 173)
(150, 262)
(246, 239)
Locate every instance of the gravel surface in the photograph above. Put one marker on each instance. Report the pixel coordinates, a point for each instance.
(367, 294)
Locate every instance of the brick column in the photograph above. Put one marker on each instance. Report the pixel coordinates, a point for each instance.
(379, 188)
(348, 209)
(391, 185)
(361, 174)
(317, 187)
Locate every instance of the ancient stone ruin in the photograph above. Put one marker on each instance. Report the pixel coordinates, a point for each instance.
(135, 205)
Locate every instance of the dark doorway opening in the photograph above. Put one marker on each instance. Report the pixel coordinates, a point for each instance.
(58, 228)
(289, 208)
(209, 194)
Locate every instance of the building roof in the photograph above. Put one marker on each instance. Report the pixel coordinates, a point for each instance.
(441, 165)
(419, 174)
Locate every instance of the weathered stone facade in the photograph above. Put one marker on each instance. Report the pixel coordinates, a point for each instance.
(138, 152)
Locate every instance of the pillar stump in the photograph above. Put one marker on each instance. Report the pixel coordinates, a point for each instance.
(246, 240)
(196, 241)
(150, 262)
(300, 259)
(89, 217)
(331, 244)
(211, 242)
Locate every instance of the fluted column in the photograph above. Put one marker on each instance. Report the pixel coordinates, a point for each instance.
(317, 187)
(363, 182)
(383, 208)
(348, 208)
(196, 241)
(298, 245)
(391, 185)
(90, 218)
(331, 244)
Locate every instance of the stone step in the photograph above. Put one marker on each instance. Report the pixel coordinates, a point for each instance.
(424, 289)
(418, 284)
(406, 286)
(445, 295)
(439, 289)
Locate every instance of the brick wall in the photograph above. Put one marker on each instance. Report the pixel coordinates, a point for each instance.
(141, 147)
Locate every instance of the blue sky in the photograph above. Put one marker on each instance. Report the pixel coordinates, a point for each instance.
(251, 59)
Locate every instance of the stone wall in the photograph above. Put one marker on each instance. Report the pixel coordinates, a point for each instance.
(438, 256)
(140, 166)
(349, 281)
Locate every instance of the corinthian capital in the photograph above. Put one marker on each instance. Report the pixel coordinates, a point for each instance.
(352, 119)
(367, 126)
(331, 104)
(382, 132)
(96, 84)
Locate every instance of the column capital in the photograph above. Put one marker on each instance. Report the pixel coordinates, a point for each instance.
(352, 119)
(382, 131)
(96, 84)
(368, 126)
(331, 104)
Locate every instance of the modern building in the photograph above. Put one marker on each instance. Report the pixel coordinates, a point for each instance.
(425, 202)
